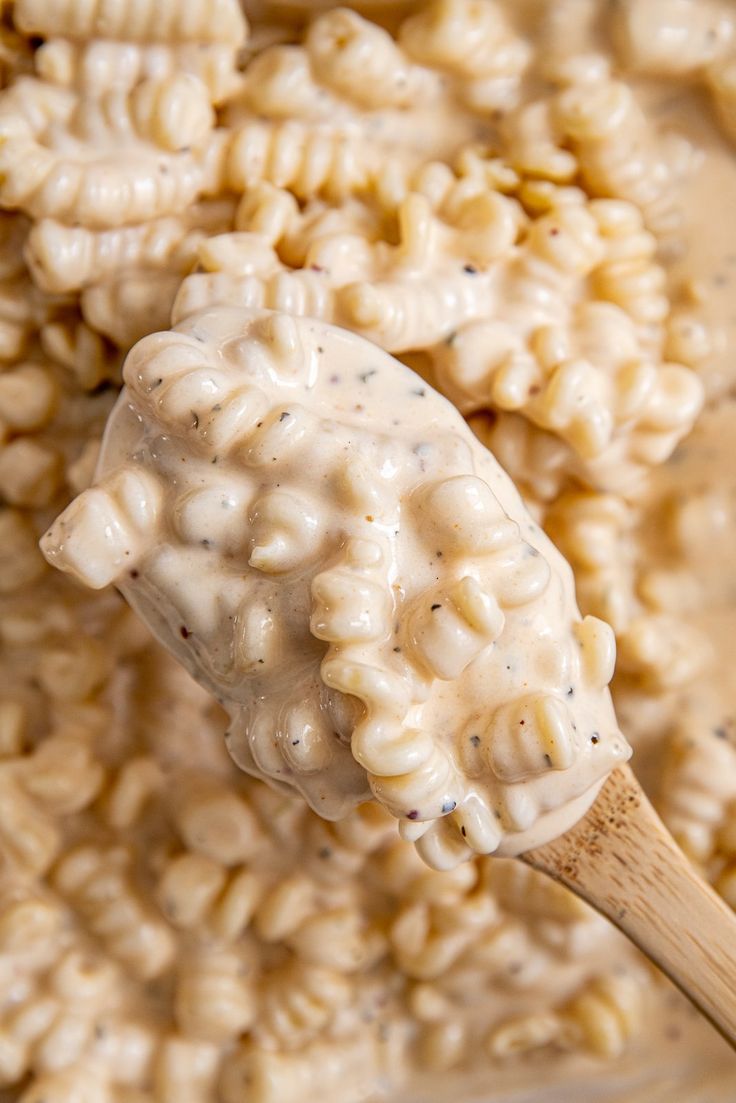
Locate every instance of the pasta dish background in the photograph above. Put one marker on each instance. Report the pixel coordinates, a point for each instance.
(528, 203)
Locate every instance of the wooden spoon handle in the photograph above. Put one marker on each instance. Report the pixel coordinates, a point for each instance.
(622, 860)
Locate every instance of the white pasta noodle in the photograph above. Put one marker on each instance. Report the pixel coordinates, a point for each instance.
(185, 1070)
(82, 351)
(126, 307)
(319, 1068)
(607, 129)
(299, 1002)
(100, 65)
(673, 37)
(28, 397)
(584, 380)
(65, 258)
(534, 144)
(30, 472)
(137, 781)
(173, 114)
(341, 43)
(66, 183)
(174, 20)
(697, 786)
(604, 1014)
(97, 884)
(307, 160)
(590, 529)
(214, 998)
(471, 40)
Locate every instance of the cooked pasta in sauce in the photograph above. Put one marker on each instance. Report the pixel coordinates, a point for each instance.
(527, 203)
(324, 543)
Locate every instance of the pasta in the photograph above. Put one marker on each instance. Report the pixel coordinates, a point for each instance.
(173, 20)
(491, 202)
(101, 65)
(473, 41)
(603, 1015)
(309, 162)
(340, 42)
(97, 884)
(606, 129)
(442, 629)
(101, 192)
(666, 37)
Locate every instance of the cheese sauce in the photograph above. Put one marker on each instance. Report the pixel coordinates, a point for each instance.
(528, 202)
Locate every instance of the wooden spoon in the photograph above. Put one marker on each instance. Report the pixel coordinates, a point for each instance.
(621, 859)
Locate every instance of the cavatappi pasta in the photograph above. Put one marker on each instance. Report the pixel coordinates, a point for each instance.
(502, 195)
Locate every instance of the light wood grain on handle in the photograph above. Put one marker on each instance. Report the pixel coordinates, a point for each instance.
(623, 861)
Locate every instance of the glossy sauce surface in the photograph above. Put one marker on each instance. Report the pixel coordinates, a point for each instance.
(528, 202)
(305, 489)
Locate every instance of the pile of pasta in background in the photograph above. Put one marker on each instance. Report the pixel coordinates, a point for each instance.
(492, 192)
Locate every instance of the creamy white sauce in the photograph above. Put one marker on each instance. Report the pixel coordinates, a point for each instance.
(107, 745)
(332, 553)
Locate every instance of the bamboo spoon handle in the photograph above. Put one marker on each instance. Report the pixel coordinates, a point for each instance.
(622, 860)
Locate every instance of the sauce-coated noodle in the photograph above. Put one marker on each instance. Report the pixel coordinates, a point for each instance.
(526, 201)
